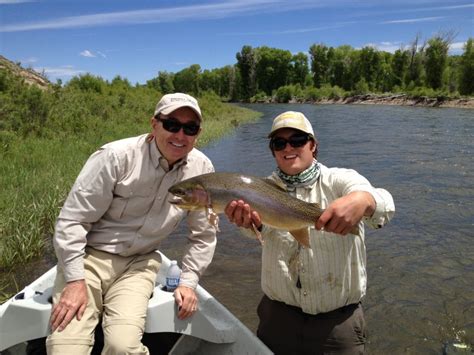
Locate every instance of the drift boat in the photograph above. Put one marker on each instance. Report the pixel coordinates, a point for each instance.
(24, 323)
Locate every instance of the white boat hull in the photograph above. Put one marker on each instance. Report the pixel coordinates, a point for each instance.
(211, 330)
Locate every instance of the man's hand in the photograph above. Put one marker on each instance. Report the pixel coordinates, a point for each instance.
(72, 302)
(240, 213)
(186, 300)
(346, 212)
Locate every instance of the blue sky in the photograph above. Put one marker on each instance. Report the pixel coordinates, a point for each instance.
(136, 39)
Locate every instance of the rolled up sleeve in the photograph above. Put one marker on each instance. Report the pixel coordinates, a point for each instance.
(350, 181)
(384, 209)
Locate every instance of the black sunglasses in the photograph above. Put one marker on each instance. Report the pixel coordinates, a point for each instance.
(296, 140)
(174, 126)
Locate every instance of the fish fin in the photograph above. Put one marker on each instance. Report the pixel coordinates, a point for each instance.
(213, 218)
(356, 230)
(302, 236)
(257, 233)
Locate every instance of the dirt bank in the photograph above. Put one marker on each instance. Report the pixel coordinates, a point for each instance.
(403, 100)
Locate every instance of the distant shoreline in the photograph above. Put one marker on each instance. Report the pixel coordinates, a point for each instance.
(396, 100)
(402, 100)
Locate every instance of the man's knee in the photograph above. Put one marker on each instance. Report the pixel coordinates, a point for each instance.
(123, 339)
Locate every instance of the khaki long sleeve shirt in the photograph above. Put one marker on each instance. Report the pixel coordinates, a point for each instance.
(332, 273)
(119, 204)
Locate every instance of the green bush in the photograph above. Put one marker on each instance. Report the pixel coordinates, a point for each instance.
(284, 94)
(312, 94)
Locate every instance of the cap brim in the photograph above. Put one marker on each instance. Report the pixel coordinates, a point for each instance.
(296, 129)
(168, 110)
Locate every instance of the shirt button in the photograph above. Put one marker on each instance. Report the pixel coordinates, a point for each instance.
(305, 293)
(303, 270)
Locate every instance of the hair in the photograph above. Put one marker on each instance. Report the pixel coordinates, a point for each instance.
(315, 142)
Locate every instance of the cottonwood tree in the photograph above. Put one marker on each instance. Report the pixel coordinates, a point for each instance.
(466, 77)
(436, 57)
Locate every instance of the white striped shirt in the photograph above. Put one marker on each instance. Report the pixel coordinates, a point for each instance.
(332, 272)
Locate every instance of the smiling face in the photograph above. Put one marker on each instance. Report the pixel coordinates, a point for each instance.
(175, 146)
(293, 160)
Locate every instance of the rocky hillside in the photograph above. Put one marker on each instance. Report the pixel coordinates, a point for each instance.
(29, 75)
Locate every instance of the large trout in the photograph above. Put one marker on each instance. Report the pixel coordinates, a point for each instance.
(212, 192)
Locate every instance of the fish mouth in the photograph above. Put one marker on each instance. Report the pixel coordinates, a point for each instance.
(183, 203)
(176, 200)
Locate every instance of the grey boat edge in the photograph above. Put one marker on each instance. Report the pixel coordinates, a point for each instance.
(211, 330)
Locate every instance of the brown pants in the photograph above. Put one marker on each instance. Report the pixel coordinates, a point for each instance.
(288, 330)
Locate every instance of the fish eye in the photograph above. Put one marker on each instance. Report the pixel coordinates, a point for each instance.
(180, 192)
(177, 191)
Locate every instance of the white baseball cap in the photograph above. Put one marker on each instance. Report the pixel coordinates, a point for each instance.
(172, 102)
(292, 119)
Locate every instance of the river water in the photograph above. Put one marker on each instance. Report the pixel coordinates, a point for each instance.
(420, 293)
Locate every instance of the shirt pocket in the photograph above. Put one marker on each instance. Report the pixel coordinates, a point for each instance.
(132, 202)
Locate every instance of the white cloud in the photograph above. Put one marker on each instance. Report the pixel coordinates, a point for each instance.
(413, 20)
(91, 54)
(29, 60)
(11, 2)
(87, 53)
(64, 71)
(390, 47)
(457, 47)
(291, 31)
(172, 14)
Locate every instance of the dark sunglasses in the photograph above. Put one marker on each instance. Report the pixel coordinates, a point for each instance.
(174, 126)
(296, 140)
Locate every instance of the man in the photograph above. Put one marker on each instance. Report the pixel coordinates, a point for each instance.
(311, 302)
(110, 226)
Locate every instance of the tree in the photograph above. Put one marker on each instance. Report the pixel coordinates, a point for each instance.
(369, 65)
(466, 77)
(228, 78)
(319, 64)
(247, 64)
(165, 82)
(399, 66)
(339, 71)
(87, 82)
(436, 58)
(210, 81)
(187, 80)
(415, 63)
(299, 69)
(273, 67)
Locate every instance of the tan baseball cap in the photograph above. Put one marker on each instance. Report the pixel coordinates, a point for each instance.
(172, 102)
(292, 119)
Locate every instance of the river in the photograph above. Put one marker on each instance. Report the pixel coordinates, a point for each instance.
(420, 293)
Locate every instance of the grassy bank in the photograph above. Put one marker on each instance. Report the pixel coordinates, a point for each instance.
(40, 156)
